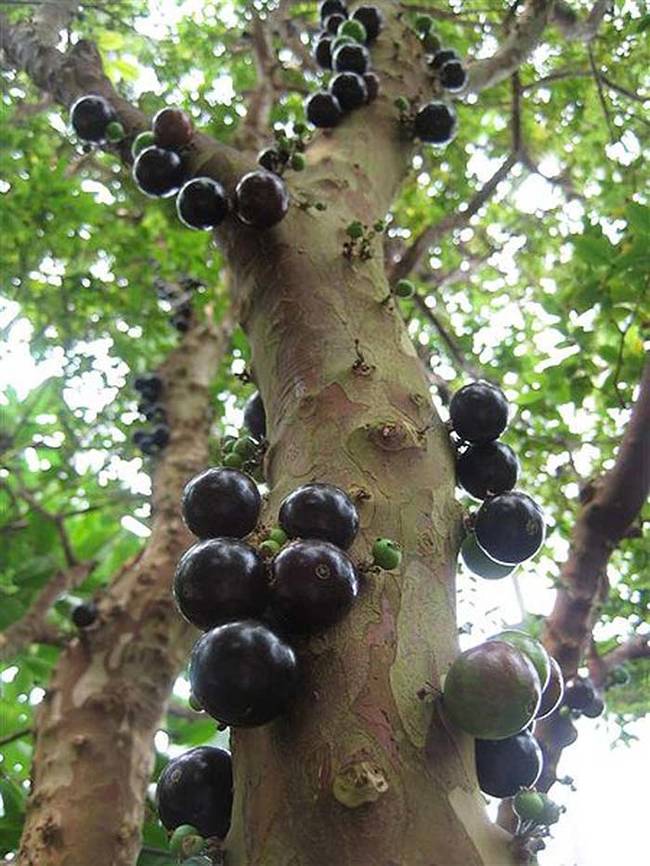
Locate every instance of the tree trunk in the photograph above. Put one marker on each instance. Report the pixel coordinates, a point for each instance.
(94, 733)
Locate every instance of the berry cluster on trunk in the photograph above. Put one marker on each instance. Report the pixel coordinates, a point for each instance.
(151, 441)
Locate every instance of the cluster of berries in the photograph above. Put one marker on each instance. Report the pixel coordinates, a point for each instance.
(341, 47)
(582, 699)
(150, 389)
(179, 300)
(509, 527)
(288, 151)
(160, 155)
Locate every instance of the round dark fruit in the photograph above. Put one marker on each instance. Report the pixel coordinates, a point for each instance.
(386, 554)
(156, 413)
(530, 647)
(333, 22)
(505, 766)
(595, 708)
(491, 691)
(528, 805)
(255, 416)
(553, 692)
(479, 412)
(141, 142)
(158, 172)
(269, 158)
(149, 447)
(487, 469)
(221, 502)
(150, 387)
(313, 585)
(510, 527)
(579, 693)
(444, 56)
(351, 58)
(196, 789)
(85, 614)
(479, 563)
(243, 674)
(453, 76)
(323, 52)
(350, 90)
(320, 511)
(139, 436)
(180, 323)
(323, 109)
(372, 86)
(435, 123)
(218, 580)
(160, 435)
(90, 117)
(172, 128)
(261, 199)
(332, 7)
(552, 811)
(202, 203)
(371, 18)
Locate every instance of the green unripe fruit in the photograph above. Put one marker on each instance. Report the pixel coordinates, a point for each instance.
(233, 460)
(402, 103)
(194, 703)
(551, 812)
(297, 162)
(355, 230)
(431, 43)
(528, 805)
(186, 841)
(479, 563)
(423, 24)
(245, 447)
(114, 131)
(620, 676)
(341, 40)
(300, 128)
(386, 553)
(379, 226)
(354, 29)
(228, 443)
(404, 289)
(278, 535)
(142, 141)
(530, 647)
(269, 548)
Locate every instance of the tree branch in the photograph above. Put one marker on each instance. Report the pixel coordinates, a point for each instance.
(260, 100)
(572, 27)
(637, 647)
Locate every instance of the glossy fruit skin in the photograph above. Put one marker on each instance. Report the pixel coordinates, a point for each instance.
(579, 693)
(90, 116)
(84, 614)
(351, 58)
(141, 142)
(333, 22)
(354, 29)
(150, 386)
(331, 7)
(435, 123)
(491, 691)
(243, 674)
(196, 789)
(202, 203)
(530, 647)
(479, 412)
(172, 128)
(505, 766)
(453, 76)
(528, 805)
(553, 692)
(479, 563)
(444, 56)
(510, 527)
(320, 511)
(350, 90)
(218, 580)
(261, 199)
(372, 85)
(323, 52)
(371, 18)
(157, 172)
(255, 416)
(323, 110)
(221, 502)
(487, 469)
(595, 708)
(551, 813)
(269, 159)
(313, 586)
(386, 554)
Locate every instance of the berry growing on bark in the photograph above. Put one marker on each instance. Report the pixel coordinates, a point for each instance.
(371, 18)
(323, 109)
(85, 614)
(491, 691)
(453, 76)
(255, 416)
(487, 469)
(320, 511)
(435, 123)
(510, 527)
(149, 386)
(278, 535)
(333, 22)
(313, 586)
(261, 199)
(372, 86)
(269, 158)
(595, 708)
(441, 57)
(386, 554)
(221, 502)
(90, 117)
(172, 128)
(530, 647)
(243, 674)
(323, 52)
(354, 29)
(268, 548)
(202, 203)
(553, 692)
(479, 563)
(158, 172)
(479, 412)
(551, 813)
(505, 766)
(349, 89)
(351, 58)
(114, 131)
(196, 789)
(528, 805)
(218, 580)
(330, 7)
(186, 841)
(404, 289)
(141, 142)
(579, 693)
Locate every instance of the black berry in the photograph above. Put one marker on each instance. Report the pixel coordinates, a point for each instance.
(261, 199)
(196, 789)
(243, 674)
(90, 117)
(487, 469)
(435, 123)
(579, 693)
(510, 527)
(150, 387)
(269, 158)
(553, 691)
(372, 85)
(160, 435)
(255, 416)
(595, 708)
(172, 128)
(148, 446)
(84, 614)
(139, 437)
(221, 502)
(154, 412)
(479, 412)
(444, 56)
(202, 203)
(181, 323)
(333, 22)
(158, 172)
(371, 18)
(505, 766)
(313, 585)
(351, 58)
(323, 52)
(323, 109)
(350, 90)
(331, 7)
(320, 511)
(453, 76)
(218, 580)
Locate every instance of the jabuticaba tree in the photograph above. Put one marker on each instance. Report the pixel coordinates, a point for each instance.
(364, 767)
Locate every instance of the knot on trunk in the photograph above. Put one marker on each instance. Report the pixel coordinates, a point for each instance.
(394, 436)
(359, 783)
